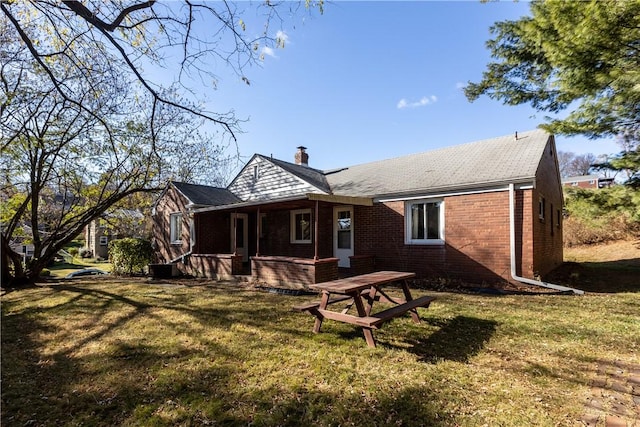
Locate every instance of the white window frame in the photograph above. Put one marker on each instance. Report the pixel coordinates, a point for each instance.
(104, 240)
(192, 232)
(408, 222)
(175, 217)
(294, 214)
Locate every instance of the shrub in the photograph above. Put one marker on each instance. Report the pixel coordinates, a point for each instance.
(45, 272)
(596, 216)
(130, 255)
(73, 251)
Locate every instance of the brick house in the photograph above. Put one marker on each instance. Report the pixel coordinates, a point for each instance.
(484, 211)
(587, 181)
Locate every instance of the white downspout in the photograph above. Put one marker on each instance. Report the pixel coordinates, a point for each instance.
(512, 235)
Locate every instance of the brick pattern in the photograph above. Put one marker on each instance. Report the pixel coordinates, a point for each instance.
(362, 264)
(171, 202)
(615, 395)
(293, 272)
(214, 266)
(547, 233)
(477, 238)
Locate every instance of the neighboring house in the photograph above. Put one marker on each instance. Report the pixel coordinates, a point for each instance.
(96, 238)
(99, 232)
(451, 212)
(587, 181)
(19, 246)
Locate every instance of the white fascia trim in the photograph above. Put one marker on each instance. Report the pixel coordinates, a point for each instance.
(455, 193)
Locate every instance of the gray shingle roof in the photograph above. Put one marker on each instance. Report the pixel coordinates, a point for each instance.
(206, 195)
(475, 164)
(314, 177)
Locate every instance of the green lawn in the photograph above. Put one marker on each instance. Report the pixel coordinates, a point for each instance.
(102, 351)
(61, 269)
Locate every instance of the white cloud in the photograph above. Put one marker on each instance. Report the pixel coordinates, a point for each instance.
(460, 85)
(282, 38)
(425, 100)
(267, 51)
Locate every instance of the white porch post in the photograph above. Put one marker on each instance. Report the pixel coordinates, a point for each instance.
(235, 233)
(315, 237)
(258, 232)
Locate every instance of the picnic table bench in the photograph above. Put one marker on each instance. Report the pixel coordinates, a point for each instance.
(362, 291)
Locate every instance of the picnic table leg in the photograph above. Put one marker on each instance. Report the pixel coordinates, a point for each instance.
(323, 305)
(362, 312)
(370, 299)
(408, 297)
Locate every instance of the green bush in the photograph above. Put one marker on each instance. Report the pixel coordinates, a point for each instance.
(74, 251)
(129, 256)
(595, 216)
(45, 272)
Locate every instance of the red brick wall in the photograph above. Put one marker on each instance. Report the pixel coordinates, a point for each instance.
(218, 266)
(171, 202)
(294, 272)
(547, 232)
(583, 184)
(213, 233)
(476, 245)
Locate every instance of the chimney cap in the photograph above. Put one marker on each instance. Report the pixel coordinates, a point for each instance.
(301, 148)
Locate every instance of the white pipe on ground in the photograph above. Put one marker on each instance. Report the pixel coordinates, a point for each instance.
(512, 235)
(179, 258)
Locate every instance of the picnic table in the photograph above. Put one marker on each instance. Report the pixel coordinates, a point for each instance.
(362, 291)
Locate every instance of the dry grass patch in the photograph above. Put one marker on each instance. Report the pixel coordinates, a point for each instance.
(107, 352)
(606, 267)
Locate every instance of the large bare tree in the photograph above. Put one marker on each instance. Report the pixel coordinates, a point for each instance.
(86, 119)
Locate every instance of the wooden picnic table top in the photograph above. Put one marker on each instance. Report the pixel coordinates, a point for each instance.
(364, 281)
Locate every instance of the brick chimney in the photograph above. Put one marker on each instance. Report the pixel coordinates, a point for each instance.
(302, 158)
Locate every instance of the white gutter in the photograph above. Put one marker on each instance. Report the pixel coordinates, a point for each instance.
(512, 235)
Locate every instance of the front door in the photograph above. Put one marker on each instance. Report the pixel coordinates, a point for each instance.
(343, 234)
(240, 235)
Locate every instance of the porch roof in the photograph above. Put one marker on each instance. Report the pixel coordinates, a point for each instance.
(328, 198)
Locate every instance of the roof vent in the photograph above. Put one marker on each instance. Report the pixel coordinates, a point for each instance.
(302, 158)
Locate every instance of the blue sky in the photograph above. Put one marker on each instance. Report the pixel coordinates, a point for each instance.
(372, 80)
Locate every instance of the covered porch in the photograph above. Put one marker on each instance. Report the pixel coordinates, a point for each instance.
(289, 243)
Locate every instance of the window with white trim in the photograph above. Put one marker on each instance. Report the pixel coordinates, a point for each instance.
(424, 222)
(301, 226)
(175, 224)
(104, 240)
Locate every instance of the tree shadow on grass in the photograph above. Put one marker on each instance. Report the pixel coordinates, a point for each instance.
(136, 384)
